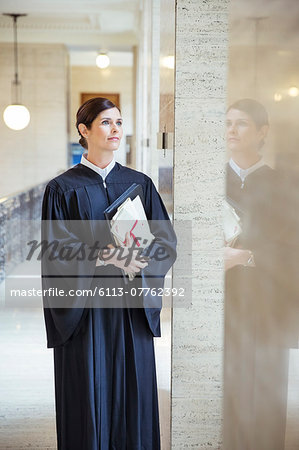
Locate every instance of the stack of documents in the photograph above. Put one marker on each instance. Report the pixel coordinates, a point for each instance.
(232, 224)
(130, 218)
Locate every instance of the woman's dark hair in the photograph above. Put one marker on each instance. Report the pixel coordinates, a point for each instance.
(89, 111)
(254, 109)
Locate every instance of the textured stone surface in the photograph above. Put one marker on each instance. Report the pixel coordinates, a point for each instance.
(197, 352)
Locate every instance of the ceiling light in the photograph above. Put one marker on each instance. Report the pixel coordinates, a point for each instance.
(16, 116)
(102, 61)
(168, 61)
(293, 91)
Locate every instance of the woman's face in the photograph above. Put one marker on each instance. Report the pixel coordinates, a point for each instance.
(242, 133)
(105, 132)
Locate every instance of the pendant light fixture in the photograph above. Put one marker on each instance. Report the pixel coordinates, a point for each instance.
(102, 60)
(16, 116)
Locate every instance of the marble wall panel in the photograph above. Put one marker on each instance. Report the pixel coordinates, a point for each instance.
(199, 182)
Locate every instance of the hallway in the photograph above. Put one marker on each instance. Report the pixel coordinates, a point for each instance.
(58, 50)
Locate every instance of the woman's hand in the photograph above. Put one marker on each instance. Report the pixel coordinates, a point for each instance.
(236, 257)
(120, 256)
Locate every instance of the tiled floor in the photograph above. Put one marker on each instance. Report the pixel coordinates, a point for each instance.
(27, 417)
(26, 382)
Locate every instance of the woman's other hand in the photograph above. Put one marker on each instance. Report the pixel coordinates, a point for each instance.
(237, 257)
(120, 256)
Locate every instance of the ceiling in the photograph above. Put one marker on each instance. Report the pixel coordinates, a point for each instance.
(82, 25)
(114, 24)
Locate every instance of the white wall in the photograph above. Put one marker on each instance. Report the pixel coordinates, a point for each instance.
(111, 80)
(38, 152)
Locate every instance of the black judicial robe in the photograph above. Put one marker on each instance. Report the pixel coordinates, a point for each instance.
(256, 319)
(105, 375)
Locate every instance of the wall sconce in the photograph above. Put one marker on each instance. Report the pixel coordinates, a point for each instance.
(102, 61)
(16, 116)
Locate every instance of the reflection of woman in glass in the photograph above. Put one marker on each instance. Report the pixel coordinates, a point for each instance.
(247, 127)
(105, 376)
(255, 375)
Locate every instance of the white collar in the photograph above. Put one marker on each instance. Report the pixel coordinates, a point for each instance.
(103, 172)
(242, 173)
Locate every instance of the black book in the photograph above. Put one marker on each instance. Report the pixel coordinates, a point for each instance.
(132, 192)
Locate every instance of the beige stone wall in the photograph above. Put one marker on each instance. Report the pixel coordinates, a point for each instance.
(38, 152)
(200, 99)
(111, 80)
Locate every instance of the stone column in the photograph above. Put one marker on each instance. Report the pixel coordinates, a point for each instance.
(199, 158)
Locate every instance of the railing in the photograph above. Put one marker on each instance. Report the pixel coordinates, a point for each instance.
(20, 216)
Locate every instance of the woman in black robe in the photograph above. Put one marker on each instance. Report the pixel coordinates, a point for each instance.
(105, 374)
(256, 313)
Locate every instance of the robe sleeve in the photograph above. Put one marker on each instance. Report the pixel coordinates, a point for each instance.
(66, 267)
(162, 253)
